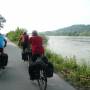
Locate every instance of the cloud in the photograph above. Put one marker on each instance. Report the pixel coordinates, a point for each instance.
(44, 14)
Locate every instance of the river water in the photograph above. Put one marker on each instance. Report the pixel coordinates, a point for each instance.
(78, 46)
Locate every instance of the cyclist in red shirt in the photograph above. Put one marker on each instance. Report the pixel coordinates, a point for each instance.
(36, 42)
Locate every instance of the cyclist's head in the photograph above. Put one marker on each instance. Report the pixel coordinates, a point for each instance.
(25, 33)
(34, 33)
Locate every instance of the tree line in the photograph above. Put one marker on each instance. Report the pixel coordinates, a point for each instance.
(74, 30)
(15, 34)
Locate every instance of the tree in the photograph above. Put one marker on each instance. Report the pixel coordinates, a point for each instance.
(2, 20)
(14, 35)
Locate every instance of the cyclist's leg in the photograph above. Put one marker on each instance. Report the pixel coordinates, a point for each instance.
(30, 55)
(1, 50)
(35, 56)
(23, 47)
(23, 51)
(1, 59)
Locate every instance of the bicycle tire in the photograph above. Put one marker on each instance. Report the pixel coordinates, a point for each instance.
(42, 81)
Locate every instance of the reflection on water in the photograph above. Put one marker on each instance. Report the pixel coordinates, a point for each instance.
(71, 46)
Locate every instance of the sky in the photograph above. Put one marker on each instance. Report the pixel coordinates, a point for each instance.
(43, 15)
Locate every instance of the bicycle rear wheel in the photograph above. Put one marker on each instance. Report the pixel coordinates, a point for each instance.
(42, 81)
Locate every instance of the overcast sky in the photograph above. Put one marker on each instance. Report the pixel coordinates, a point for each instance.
(44, 15)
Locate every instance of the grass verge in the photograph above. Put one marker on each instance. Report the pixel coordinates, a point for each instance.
(75, 74)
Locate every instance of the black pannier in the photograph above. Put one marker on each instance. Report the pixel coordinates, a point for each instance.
(49, 70)
(34, 71)
(3, 59)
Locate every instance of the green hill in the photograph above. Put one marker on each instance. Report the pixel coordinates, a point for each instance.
(74, 30)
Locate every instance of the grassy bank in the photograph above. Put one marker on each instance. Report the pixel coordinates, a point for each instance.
(75, 74)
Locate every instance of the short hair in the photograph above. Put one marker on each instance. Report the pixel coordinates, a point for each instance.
(25, 33)
(34, 33)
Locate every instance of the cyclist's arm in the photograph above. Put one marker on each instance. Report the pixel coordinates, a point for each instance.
(5, 42)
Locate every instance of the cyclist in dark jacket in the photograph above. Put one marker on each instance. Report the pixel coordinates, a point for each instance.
(25, 43)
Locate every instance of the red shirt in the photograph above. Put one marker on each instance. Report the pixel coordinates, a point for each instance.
(36, 44)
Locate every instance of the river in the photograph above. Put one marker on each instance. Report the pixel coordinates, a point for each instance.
(78, 46)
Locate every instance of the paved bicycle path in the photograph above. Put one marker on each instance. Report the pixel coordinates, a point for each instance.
(15, 76)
